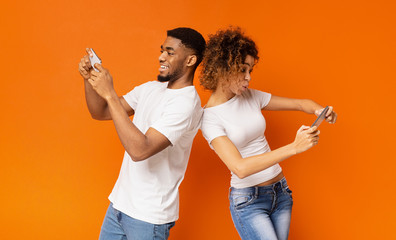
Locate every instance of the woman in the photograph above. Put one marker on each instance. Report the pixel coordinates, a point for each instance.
(260, 199)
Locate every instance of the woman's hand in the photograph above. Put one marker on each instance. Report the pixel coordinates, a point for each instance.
(331, 116)
(306, 138)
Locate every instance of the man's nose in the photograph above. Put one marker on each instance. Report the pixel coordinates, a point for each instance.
(161, 57)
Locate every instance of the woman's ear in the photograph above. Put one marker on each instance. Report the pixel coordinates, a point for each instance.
(191, 60)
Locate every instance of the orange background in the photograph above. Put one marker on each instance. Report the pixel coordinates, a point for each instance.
(59, 165)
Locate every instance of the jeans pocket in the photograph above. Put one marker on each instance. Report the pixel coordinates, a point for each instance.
(289, 192)
(240, 201)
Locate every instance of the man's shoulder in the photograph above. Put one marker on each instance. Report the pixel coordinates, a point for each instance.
(152, 84)
(149, 87)
(187, 97)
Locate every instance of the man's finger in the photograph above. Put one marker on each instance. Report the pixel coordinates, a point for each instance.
(99, 67)
(94, 73)
(92, 82)
(89, 52)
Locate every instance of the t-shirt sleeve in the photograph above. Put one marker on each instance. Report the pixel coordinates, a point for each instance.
(178, 118)
(132, 97)
(262, 98)
(211, 127)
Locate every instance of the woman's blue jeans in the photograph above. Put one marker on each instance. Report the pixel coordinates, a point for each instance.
(119, 226)
(262, 212)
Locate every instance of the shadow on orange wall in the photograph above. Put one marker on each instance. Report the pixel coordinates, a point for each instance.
(59, 165)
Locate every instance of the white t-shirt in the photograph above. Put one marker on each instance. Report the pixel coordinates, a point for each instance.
(148, 190)
(241, 120)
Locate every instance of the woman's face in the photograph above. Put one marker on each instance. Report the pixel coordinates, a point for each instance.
(241, 81)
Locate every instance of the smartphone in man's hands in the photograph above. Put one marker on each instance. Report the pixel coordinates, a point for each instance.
(94, 59)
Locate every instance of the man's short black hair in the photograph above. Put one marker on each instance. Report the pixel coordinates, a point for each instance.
(190, 39)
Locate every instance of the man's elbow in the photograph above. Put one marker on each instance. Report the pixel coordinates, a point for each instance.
(99, 117)
(95, 117)
(137, 157)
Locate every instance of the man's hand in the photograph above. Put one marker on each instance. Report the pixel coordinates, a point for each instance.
(84, 67)
(102, 82)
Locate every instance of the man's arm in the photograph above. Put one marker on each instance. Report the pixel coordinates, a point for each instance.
(97, 106)
(138, 145)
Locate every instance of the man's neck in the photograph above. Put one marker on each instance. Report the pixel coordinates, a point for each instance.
(184, 81)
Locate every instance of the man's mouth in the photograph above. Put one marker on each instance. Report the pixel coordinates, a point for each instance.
(163, 68)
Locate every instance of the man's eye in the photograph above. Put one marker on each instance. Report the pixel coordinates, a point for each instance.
(171, 53)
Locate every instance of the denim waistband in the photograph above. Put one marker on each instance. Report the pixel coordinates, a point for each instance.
(278, 186)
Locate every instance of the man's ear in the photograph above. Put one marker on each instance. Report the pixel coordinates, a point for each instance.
(191, 60)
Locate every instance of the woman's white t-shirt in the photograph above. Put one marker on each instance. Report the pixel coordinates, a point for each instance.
(241, 120)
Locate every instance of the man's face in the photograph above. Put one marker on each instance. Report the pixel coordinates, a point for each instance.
(172, 59)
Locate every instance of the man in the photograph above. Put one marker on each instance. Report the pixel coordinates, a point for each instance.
(167, 113)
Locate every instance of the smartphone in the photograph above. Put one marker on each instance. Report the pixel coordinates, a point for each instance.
(94, 59)
(321, 117)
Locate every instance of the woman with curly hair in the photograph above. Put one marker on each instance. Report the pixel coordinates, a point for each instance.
(233, 125)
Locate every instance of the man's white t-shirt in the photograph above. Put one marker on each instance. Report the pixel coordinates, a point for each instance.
(241, 120)
(148, 190)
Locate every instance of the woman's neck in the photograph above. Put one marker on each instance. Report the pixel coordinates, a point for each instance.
(219, 96)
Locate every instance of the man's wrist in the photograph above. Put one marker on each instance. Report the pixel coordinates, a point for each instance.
(111, 97)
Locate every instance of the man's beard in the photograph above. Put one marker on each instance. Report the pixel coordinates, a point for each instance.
(170, 77)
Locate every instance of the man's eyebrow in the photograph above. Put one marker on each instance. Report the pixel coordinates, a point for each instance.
(168, 48)
(247, 64)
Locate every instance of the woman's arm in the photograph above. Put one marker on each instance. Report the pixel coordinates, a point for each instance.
(305, 105)
(305, 139)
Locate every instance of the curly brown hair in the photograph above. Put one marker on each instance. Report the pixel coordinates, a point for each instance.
(226, 51)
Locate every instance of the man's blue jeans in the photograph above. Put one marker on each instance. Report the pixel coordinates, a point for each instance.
(119, 226)
(262, 212)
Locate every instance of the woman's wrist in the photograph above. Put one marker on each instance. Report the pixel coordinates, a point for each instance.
(291, 149)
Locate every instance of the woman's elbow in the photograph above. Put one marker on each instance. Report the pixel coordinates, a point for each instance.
(240, 172)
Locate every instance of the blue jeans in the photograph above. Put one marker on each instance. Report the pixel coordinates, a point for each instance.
(119, 226)
(262, 212)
